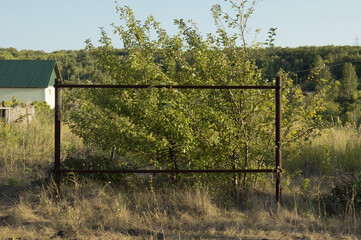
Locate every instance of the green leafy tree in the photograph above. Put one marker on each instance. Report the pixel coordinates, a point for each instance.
(170, 128)
(348, 94)
(349, 83)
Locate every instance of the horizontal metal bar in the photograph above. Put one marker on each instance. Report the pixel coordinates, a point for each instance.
(166, 171)
(163, 86)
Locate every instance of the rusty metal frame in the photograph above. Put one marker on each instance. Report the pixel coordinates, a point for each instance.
(278, 121)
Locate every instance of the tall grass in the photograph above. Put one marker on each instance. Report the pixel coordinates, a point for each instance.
(336, 149)
(27, 149)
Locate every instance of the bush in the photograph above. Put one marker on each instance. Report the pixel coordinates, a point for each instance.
(90, 158)
(42, 107)
(344, 197)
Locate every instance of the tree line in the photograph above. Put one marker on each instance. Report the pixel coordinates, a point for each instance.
(339, 66)
(79, 65)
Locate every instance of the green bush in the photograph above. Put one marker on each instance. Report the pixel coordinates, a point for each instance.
(42, 107)
(90, 158)
(344, 197)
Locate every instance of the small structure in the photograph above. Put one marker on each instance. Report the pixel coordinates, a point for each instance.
(23, 113)
(28, 80)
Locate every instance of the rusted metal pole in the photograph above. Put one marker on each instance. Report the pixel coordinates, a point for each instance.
(57, 173)
(167, 171)
(3, 112)
(163, 86)
(278, 138)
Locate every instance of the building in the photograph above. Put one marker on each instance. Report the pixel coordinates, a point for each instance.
(28, 80)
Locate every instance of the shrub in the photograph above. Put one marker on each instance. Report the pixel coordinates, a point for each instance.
(344, 197)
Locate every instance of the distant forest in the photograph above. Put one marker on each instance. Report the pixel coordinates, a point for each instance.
(338, 66)
(79, 65)
(300, 61)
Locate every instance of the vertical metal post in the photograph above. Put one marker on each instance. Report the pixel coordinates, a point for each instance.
(57, 174)
(278, 138)
(3, 112)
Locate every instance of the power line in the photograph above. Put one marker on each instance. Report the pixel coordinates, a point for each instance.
(333, 65)
(313, 69)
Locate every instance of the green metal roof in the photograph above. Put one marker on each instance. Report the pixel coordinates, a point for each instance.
(27, 73)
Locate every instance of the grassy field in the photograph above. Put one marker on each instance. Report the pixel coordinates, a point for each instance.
(313, 207)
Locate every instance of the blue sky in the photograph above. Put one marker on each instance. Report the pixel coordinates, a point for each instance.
(51, 25)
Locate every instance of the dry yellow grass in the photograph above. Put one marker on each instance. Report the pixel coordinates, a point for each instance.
(93, 211)
(336, 149)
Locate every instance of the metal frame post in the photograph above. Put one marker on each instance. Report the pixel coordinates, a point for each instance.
(3, 112)
(278, 138)
(57, 173)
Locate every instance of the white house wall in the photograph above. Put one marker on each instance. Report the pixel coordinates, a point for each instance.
(50, 96)
(28, 94)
